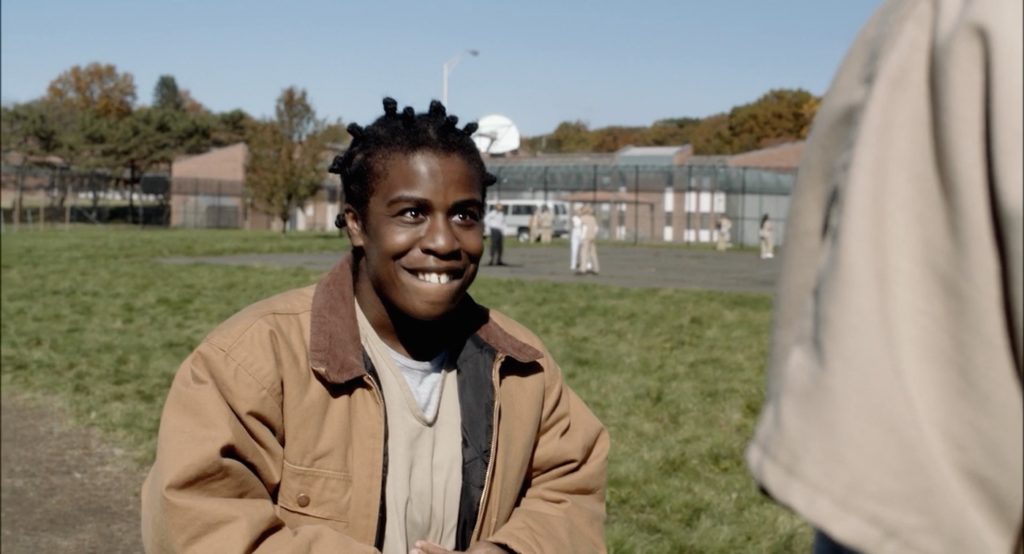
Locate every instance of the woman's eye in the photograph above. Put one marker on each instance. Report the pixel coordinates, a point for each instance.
(468, 216)
(410, 213)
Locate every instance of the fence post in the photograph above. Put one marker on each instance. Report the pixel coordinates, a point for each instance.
(16, 203)
(67, 204)
(545, 184)
(668, 206)
(743, 206)
(142, 211)
(636, 204)
(686, 210)
(218, 205)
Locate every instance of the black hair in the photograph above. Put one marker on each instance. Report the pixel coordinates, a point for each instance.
(764, 218)
(401, 133)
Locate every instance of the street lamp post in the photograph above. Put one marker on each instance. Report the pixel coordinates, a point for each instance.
(447, 69)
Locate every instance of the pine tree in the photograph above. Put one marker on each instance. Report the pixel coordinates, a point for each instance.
(166, 95)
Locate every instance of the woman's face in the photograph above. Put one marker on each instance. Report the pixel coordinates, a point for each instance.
(421, 236)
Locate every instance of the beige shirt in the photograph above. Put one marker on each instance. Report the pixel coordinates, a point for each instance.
(893, 418)
(590, 227)
(424, 462)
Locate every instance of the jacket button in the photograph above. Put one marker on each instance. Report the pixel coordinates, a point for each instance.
(302, 500)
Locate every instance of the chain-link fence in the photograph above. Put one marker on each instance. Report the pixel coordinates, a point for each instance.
(657, 203)
(207, 204)
(39, 196)
(633, 203)
(221, 204)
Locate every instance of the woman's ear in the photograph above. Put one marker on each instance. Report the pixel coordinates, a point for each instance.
(354, 225)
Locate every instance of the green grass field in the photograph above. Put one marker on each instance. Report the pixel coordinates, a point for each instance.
(89, 318)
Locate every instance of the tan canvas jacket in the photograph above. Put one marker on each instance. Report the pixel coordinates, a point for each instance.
(893, 418)
(272, 439)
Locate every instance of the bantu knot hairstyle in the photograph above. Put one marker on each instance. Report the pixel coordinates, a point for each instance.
(401, 133)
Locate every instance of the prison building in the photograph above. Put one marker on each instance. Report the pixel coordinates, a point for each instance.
(208, 191)
(661, 194)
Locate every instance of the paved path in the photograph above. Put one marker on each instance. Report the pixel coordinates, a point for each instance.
(640, 266)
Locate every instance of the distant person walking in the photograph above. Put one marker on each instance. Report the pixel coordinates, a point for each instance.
(546, 222)
(767, 234)
(588, 243)
(534, 225)
(495, 223)
(575, 237)
(724, 233)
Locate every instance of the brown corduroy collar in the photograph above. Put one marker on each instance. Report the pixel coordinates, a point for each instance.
(335, 351)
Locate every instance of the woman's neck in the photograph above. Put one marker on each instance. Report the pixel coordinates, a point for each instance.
(419, 340)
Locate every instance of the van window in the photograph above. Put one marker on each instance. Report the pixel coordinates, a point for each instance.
(559, 209)
(521, 209)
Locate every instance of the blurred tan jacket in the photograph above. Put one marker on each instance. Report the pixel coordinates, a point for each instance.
(273, 438)
(893, 418)
(590, 226)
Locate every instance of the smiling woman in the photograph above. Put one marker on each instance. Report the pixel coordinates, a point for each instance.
(419, 242)
(382, 409)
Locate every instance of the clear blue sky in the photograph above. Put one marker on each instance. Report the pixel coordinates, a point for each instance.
(540, 63)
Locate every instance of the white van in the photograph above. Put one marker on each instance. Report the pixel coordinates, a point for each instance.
(518, 212)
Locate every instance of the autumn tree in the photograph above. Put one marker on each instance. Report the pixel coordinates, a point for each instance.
(712, 136)
(286, 163)
(190, 104)
(610, 139)
(670, 132)
(96, 87)
(780, 115)
(571, 136)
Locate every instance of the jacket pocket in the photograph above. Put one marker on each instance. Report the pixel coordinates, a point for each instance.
(315, 492)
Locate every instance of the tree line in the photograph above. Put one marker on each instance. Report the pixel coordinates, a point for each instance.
(90, 119)
(780, 115)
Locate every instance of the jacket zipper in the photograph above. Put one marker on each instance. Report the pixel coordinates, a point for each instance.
(494, 445)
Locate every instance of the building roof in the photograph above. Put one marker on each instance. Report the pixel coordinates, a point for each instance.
(653, 155)
(708, 159)
(782, 156)
(605, 197)
(550, 160)
(17, 159)
(222, 164)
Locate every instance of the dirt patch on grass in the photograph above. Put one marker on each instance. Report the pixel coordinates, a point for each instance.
(64, 488)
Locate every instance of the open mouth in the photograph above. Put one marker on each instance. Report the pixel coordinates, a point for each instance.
(438, 277)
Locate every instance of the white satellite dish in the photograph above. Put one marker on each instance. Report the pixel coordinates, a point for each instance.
(496, 135)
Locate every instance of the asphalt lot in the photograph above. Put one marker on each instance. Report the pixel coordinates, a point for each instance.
(625, 266)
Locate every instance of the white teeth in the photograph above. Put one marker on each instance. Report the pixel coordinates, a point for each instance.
(436, 278)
